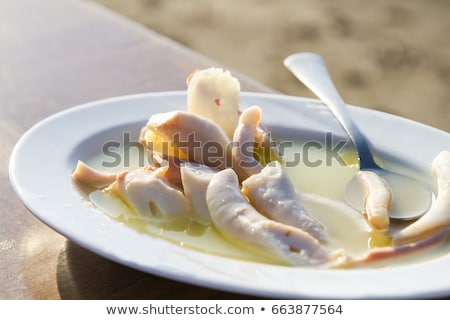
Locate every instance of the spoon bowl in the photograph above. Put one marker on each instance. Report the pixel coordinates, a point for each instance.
(410, 198)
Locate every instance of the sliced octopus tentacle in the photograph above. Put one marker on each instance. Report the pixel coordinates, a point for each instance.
(170, 171)
(198, 138)
(271, 192)
(236, 218)
(196, 178)
(89, 176)
(151, 192)
(438, 216)
(150, 195)
(399, 251)
(378, 199)
(244, 162)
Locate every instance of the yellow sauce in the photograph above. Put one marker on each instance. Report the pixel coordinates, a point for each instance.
(346, 230)
(186, 233)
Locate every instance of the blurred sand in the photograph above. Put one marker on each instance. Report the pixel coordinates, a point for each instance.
(388, 55)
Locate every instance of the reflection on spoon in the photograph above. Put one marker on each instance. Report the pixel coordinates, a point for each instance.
(410, 198)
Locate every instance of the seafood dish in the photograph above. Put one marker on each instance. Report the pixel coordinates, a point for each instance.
(214, 168)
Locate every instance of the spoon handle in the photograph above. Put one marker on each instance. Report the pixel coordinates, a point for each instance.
(310, 69)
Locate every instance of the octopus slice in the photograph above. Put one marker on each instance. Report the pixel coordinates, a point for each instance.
(89, 176)
(150, 195)
(171, 172)
(381, 255)
(213, 93)
(438, 216)
(198, 138)
(244, 162)
(233, 215)
(195, 178)
(151, 192)
(377, 201)
(271, 193)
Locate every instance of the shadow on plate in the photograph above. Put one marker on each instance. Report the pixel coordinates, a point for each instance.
(84, 275)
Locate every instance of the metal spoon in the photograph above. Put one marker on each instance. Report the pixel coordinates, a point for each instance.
(410, 198)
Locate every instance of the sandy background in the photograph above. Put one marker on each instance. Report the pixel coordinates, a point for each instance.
(388, 55)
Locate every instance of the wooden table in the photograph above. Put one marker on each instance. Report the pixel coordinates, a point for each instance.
(56, 54)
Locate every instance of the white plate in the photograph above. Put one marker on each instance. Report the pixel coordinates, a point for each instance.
(44, 158)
